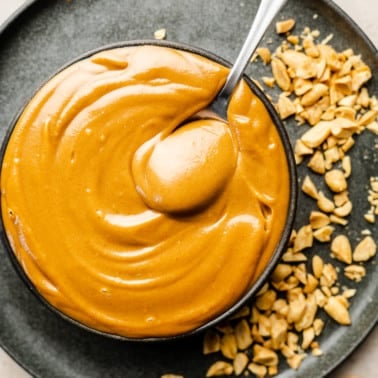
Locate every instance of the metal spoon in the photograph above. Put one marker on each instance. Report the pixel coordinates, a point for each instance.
(267, 11)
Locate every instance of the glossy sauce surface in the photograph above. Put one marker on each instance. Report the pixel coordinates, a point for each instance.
(127, 222)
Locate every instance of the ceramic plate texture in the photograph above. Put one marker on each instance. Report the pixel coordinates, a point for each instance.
(48, 33)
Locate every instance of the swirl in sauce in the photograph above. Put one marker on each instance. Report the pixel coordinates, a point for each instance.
(128, 223)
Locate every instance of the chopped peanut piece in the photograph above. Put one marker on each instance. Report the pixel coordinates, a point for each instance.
(240, 363)
(280, 74)
(243, 312)
(308, 337)
(323, 234)
(284, 26)
(337, 311)
(304, 238)
(336, 181)
(281, 272)
(373, 127)
(265, 301)
(317, 162)
(303, 66)
(341, 249)
(317, 352)
(256, 335)
(264, 54)
(363, 98)
(369, 217)
(220, 368)
(324, 203)
(263, 290)
(320, 298)
(264, 325)
(345, 112)
(243, 335)
(315, 136)
(160, 34)
(297, 309)
(341, 198)
(360, 76)
(308, 318)
(338, 220)
(259, 370)
(314, 94)
(225, 328)
(348, 144)
(301, 273)
(292, 341)
(301, 86)
(228, 346)
(311, 285)
(365, 250)
(264, 356)
(272, 370)
(344, 210)
(319, 219)
(269, 81)
(309, 187)
(295, 361)
(329, 276)
(318, 326)
(293, 39)
(343, 127)
(331, 154)
(349, 293)
(279, 333)
(355, 272)
(211, 342)
(317, 266)
(286, 108)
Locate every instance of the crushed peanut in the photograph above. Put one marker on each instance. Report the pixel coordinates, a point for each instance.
(160, 34)
(336, 181)
(365, 250)
(341, 249)
(337, 310)
(319, 219)
(323, 89)
(228, 346)
(211, 342)
(373, 199)
(264, 54)
(355, 272)
(220, 368)
(323, 234)
(240, 363)
(309, 188)
(285, 26)
(243, 335)
(304, 238)
(280, 74)
(259, 370)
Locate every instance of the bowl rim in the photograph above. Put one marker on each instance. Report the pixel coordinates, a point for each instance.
(290, 216)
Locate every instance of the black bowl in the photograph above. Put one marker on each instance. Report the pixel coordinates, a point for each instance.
(247, 296)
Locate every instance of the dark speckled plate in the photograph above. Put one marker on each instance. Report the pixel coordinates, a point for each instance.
(48, 33)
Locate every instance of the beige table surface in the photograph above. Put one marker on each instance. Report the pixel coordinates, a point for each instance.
(363, 363)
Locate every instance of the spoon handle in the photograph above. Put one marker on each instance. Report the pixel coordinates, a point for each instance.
(268, 9)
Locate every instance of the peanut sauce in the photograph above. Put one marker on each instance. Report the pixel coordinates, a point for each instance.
(129, 219)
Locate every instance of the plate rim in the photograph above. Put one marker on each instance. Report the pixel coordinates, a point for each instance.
(6, 25)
